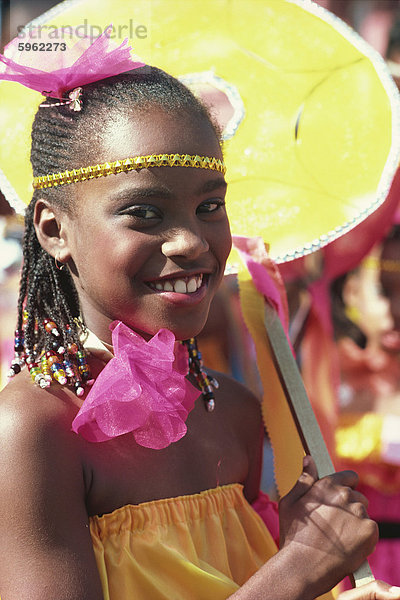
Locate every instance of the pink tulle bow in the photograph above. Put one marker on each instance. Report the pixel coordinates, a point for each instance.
(55, 72)
(142, 390)
(264, 273)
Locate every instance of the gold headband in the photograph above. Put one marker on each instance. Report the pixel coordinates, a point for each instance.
(135, 163)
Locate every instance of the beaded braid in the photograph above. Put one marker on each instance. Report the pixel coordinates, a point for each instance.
(204, 381)
(49, 351)
(49, 329)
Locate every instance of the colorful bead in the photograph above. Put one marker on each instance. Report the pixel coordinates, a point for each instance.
(79, 389)
(51, 327)
(51, 358)
(13, 370)
(42, 381)
(55, 344)
(210, 404)
(66, 368)
(45, 368)
(58, 373)
(72, 348)
(83, 369)
(34, 370)
(69, 371)
(15, 367)
(19, 341)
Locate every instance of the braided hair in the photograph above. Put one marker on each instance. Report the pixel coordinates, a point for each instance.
(48, 306)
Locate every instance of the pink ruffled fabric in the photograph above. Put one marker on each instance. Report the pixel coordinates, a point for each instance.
(268, 511)
(54, 73)
(265, 275)
(142, 390)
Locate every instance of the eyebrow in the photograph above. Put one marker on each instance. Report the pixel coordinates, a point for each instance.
(211, 185)
(163, 192)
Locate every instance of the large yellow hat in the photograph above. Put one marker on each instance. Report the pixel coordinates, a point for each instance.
(315, 112)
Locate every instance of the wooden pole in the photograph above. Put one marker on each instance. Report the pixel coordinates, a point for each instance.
(302, 412)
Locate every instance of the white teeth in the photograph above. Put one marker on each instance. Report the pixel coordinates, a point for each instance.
(192, 285)
(180, 286)
(168, 287)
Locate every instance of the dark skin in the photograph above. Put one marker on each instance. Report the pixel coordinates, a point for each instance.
(53, 480)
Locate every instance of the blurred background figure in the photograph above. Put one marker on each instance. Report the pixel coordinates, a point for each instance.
(366, 317)
(11, 229)
(351, 369)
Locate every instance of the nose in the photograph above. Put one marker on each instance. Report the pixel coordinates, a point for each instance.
(184, 242)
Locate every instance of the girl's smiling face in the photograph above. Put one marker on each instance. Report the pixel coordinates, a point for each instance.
(149, 247)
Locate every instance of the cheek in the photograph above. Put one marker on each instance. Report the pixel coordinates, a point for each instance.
(222, 242)
(105, 255)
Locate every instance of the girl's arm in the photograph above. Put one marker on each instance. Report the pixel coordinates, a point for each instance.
(45, 544)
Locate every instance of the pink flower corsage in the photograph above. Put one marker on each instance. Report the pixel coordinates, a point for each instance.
(142, 390)
(54, 73)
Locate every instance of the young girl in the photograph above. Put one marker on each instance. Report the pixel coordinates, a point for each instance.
(106, 492)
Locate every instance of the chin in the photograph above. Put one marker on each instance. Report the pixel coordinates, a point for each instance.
(181, 331)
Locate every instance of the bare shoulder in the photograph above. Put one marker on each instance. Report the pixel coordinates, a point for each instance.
(37, 444)
(43, 521)
(240, 401)
(36, 436)
(29, 411)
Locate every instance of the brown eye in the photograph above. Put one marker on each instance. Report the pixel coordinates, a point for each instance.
(210, 206)
(143, 212)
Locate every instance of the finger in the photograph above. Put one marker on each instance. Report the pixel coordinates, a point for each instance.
(345, 478)
(305, 482)
(310, 468)
(359, 497)
(358, 510)
(376, 590)
(353, 497)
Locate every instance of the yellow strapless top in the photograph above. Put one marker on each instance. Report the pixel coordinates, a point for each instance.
(198, 547)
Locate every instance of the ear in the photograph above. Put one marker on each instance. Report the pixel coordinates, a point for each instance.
(51, 230)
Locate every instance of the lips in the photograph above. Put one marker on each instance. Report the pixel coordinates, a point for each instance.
(179, 285)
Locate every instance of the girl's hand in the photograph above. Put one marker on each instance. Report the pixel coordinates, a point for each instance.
(326, 519)
(376, 590)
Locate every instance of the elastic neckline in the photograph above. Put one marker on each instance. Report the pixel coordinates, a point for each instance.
(172, 500)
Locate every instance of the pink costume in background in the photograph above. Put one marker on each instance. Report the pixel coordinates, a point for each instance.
(363, 445)
(320, 366)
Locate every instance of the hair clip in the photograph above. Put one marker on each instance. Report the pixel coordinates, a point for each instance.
(75, 103)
